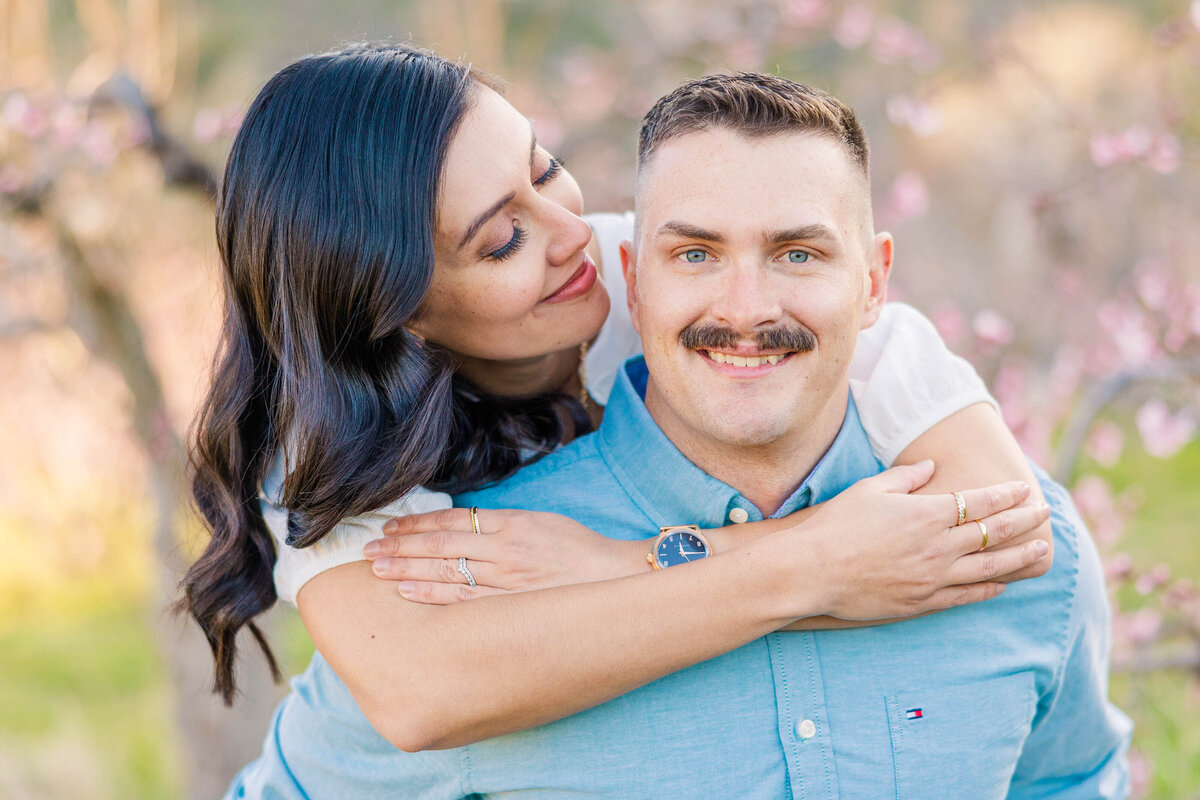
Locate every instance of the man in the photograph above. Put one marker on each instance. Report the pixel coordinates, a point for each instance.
(754, 266)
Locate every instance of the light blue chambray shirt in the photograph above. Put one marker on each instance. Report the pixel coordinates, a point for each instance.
(1003, 698)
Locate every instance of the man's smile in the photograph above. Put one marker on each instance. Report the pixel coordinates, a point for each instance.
(737, 360)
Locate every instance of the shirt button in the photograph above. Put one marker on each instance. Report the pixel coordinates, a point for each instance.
(806, 729)
(739, 515)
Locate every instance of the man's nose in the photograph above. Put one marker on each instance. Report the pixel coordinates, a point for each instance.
(747, 299)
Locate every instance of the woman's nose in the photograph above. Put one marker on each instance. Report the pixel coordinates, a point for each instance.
(569, 235)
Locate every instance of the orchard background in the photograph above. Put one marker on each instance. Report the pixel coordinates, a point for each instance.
(1038, 163)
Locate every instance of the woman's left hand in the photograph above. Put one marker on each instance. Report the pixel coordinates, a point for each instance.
(515, 551)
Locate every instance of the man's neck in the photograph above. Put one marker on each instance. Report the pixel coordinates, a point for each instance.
(767, 474)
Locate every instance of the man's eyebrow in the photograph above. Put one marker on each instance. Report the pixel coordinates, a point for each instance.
(494, 209)
(803, 233)
(686, 231)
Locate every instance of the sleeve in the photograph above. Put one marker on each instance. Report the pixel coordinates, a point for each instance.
(1079, 741)
(905, 380)
(295, 567)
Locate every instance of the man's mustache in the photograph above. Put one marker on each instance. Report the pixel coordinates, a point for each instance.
(710, 336)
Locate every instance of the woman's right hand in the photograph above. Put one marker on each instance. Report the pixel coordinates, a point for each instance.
(882, 552)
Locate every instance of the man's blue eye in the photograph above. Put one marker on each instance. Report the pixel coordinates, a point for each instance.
(798, 256)
(695, 256)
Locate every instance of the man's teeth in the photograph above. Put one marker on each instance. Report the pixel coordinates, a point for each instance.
(742, 361)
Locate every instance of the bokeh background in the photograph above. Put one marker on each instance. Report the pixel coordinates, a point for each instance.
(1038, 163)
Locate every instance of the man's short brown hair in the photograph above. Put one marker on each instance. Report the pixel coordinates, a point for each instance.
(752, 104)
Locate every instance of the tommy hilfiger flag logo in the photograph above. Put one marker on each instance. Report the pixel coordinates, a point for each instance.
(914, 713)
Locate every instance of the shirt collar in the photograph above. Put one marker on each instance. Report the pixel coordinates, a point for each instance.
(671, 490)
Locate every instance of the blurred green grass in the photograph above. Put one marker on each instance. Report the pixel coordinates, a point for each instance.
(87, 709)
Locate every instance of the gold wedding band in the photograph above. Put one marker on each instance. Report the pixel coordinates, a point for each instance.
(983, 530)
(962, 508)
(475, 520)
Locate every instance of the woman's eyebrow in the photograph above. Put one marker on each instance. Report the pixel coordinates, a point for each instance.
(494, 209)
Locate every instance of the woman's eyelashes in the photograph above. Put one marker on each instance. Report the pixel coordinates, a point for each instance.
(510, 247)
(551, 172)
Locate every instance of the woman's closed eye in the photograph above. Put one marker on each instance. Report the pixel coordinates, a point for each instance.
(551, 172)
(509, 248)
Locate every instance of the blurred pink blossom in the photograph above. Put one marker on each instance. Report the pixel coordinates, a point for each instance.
(1165, 153)
(1154, 285)
(854, 28)
(1130, 332)
(1141, 773)
(1155, 578)
(1195, 14)
(1143, 625)
(207, 124)
(1161, 151)
(1106, 443)
(1163, 434)
(23, 116)
(908, 198)
(1118, 568)
(895, 41)
(1094, 499)
(950, 322)
(806, 13)
(1105, 150)
(992, 328)
(916, 115)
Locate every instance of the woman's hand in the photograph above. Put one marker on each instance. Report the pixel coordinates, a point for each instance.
(887, 553)
(515, 551)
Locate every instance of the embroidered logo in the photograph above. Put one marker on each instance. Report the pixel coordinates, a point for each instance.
(914, 713)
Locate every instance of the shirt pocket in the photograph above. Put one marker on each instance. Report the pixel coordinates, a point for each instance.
(960, 741)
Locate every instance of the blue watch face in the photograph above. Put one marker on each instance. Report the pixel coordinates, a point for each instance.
(680, 547)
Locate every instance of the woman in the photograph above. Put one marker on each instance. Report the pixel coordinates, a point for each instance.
(407, 298)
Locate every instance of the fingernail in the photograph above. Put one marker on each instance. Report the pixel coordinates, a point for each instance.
(380, 565)
(405, 588)
(1041, 548)
(372, 549)
(924, 463)
(390, 526)
(1024, 490)
(1045, 509)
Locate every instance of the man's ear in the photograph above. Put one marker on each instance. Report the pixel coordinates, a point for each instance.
(629, 270)
(879, 269)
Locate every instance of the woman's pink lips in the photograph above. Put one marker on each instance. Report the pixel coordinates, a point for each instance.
(579, 283)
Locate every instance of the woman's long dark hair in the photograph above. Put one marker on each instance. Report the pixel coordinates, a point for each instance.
(325, 227)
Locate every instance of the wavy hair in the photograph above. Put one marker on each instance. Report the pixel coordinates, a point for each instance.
(325, 228)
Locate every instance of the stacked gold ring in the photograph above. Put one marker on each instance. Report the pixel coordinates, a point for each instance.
(475, 520)
(962, 508)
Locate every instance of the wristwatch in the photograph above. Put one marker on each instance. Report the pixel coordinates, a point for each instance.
(678, 544)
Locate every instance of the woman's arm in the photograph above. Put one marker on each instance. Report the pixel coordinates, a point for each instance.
(435, 676)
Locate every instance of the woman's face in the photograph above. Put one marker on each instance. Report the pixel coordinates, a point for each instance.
(512, 280)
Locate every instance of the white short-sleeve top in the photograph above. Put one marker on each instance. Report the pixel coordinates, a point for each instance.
(903, 377)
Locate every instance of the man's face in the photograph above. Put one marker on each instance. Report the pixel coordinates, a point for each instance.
(755, 267)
